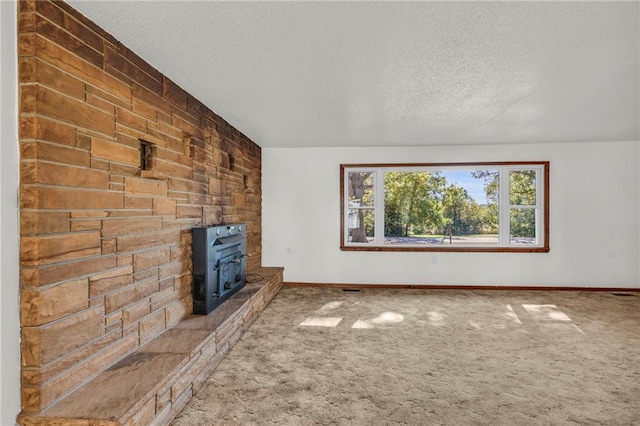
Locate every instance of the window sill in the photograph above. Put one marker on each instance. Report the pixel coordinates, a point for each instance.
(452, 249)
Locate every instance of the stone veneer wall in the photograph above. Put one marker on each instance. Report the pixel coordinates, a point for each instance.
(106, 247)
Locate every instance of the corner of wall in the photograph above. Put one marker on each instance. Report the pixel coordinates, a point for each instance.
(9, 276)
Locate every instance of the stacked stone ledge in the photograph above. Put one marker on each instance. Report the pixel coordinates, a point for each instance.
(151, 385)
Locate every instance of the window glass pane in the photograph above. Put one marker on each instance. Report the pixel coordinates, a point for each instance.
(522, 187)
(441, 207)
(361, 189)
(523, 226)
(361, 225)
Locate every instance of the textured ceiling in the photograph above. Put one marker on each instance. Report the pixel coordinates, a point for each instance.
(396, 73)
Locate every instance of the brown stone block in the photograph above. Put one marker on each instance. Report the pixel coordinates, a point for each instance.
(142, 186)
(162, 299)
(84, 214)
(109, 245)
(67, 41)
(140, 242)
(54, 78)
(30, 404)
(185, 185)
(144, 109)
(83, 142)
(146, 274)
(100, 103)
(107, 97)
(201, 177)
(55, 248)
(216, 186)
(137, 203)
(189, 211)
(28, 128)
(27, 44)
(120, 63)
(26, 22)
(40, 222)
(174, 268)
(176, 145)
(174, 170)
(151, 98)
(174, 94)
(126, 259)
(139, 62)
(187, 124)
(54, 131)
(179, 310)
(76, 199)
(30, 376)
(124, 169)
(168, 155)
(150, 258)
(27, 67)
(210, 366)
(28, 98)
(41, 307)
(55, 14)
(63, 175)
(195, 107)
(124, 226)
(135, 312)
(151, 334)
(111, 280)
(129, 295)
(238, 200)
(44, 344)
(132, 120)
(152, 321)
(52, 152)
(179, 197)
(118, 187)
(182, 224)
(74, 65)
(115, 152)
(211, 216)
(183, 283)
(86, 225)
(115, 72)
(163, 400)
(199, 199)
(44, 275)
(144, 415)
(167, 283)
(55, 105)
(85, 370)
(164, 207)
(164, 126)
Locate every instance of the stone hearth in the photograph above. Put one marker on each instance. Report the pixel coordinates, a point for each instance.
(152, 385)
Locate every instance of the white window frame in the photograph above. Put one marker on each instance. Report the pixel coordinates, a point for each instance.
(504, 244)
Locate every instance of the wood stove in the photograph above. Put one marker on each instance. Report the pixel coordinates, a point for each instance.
(219, 265)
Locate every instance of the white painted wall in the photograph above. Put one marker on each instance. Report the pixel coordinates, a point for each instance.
(9, 313)
(594, 206)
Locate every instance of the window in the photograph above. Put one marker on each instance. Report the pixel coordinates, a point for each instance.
(499, 207)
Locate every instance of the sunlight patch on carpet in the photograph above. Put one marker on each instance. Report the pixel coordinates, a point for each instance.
(321, 322)
(546, 313)
(511, 315)
(382, 319)
(436, 318)
(328, 307)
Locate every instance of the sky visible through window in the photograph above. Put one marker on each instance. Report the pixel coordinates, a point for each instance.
(463, 178)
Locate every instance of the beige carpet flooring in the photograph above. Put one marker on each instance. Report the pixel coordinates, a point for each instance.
(321, 356)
